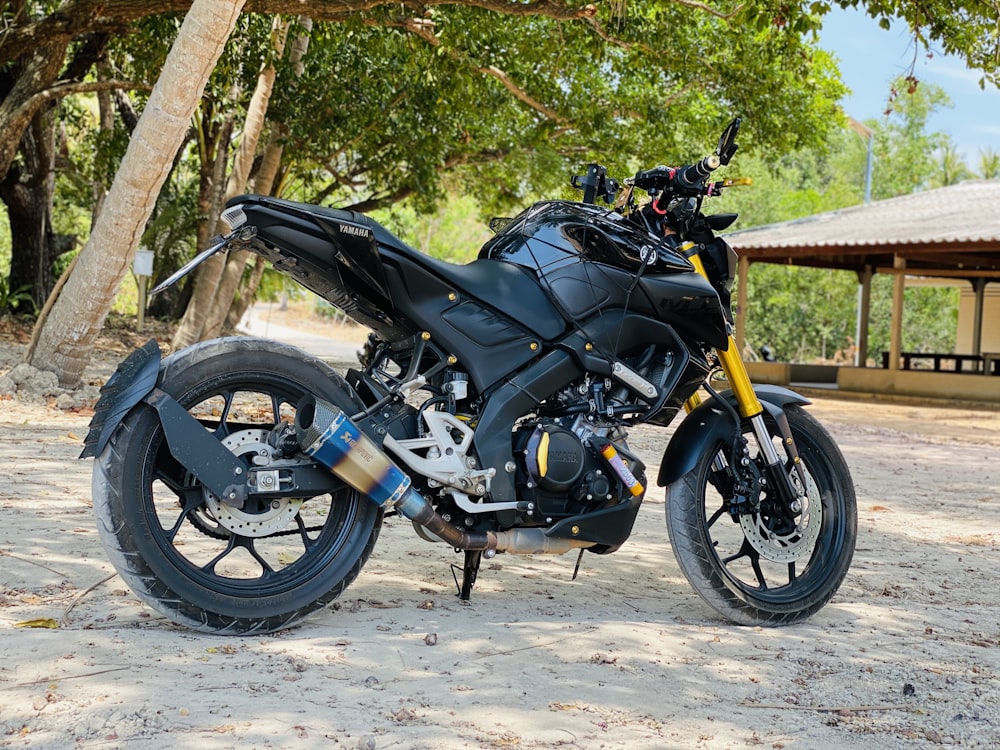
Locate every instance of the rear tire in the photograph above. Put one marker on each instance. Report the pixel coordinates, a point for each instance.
(184, 554)
(757, 569)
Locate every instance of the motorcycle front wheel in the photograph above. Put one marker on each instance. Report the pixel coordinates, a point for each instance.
(763, 568)
(202, 563)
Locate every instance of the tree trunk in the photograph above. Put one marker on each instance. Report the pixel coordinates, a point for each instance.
(263, 185)
(265, 182)
(106, 123)
(246, 295)
(213, 154)
(19, 107)
(66, 341)
(27, 191)
(229, 271)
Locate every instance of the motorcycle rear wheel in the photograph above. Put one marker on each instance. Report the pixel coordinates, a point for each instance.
(757, 569)
(204, 565)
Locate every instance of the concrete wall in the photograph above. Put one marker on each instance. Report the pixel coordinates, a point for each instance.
(783, 373)
(814, 373)
(916, 383)
(771, 373)
(991, 317)
(968, 387)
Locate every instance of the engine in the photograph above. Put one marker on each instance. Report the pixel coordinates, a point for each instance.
(562, 472)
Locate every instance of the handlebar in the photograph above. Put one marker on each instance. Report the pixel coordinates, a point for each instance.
(666, 183)
(693, 175)
(684, 179)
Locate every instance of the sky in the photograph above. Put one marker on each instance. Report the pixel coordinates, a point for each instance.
(870, 57)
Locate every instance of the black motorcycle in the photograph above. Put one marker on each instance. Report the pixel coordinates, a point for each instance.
(241, 483)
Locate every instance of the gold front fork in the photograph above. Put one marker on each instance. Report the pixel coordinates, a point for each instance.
(732, 366)
(751, 409)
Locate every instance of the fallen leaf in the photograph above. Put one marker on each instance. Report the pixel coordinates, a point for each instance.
(603, 659)
(43, 622)
(404, 714)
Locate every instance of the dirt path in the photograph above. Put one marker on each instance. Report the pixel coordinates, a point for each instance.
(625, 656)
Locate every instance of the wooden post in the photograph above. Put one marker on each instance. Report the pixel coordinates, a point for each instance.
(864, 316)
(896, 333)
(141, 321)
(979, 287)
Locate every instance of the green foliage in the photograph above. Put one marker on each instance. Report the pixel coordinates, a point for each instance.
(171, 231)
(797, 184)
(950, 168)
(969, 29)
(804, 314)
(462, 101)
(904, 150)
(400, 109)
(4, 245)
(801, 313)
(930, 317)
(11, 298)
(454, 232)
(325, 311)
(274, 285)
(810, 314)
(989, 164)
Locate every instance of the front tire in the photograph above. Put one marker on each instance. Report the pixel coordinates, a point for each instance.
(757, 568)
(202, 564)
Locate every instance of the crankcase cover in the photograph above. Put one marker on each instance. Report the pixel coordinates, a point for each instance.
(555, 458)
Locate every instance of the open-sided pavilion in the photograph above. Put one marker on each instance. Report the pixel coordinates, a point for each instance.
(950, 233)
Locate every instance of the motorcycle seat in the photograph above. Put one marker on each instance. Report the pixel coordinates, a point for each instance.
(507, 288)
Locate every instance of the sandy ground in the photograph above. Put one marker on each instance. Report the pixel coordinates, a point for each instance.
(626, 656)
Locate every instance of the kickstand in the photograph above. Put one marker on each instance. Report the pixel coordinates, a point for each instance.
(469, 573)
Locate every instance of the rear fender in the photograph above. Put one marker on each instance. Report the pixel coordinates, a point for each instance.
(134, 379)
(196, 449)
(711, 421)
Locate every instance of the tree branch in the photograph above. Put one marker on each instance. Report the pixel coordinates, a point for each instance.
(425, 30)
(68, 88)
(709, 9)
(521, 94)
(75, 19)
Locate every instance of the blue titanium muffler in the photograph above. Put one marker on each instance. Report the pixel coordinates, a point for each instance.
(327, 434)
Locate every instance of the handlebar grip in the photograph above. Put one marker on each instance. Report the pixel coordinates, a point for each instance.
(694, 174)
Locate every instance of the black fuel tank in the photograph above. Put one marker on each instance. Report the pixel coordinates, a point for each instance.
(553, 233)
(586, 258)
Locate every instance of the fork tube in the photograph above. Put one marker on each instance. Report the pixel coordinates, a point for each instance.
(746, 399)
(749, 405)
(739, 380)
(732, 365)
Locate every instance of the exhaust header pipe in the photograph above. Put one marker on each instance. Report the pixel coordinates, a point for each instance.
(327, 434)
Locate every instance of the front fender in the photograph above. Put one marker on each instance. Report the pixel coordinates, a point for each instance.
(134, 379)
(711, 422)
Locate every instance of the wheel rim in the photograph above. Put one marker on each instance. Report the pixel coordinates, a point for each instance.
(279, 549)
(765, 556)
